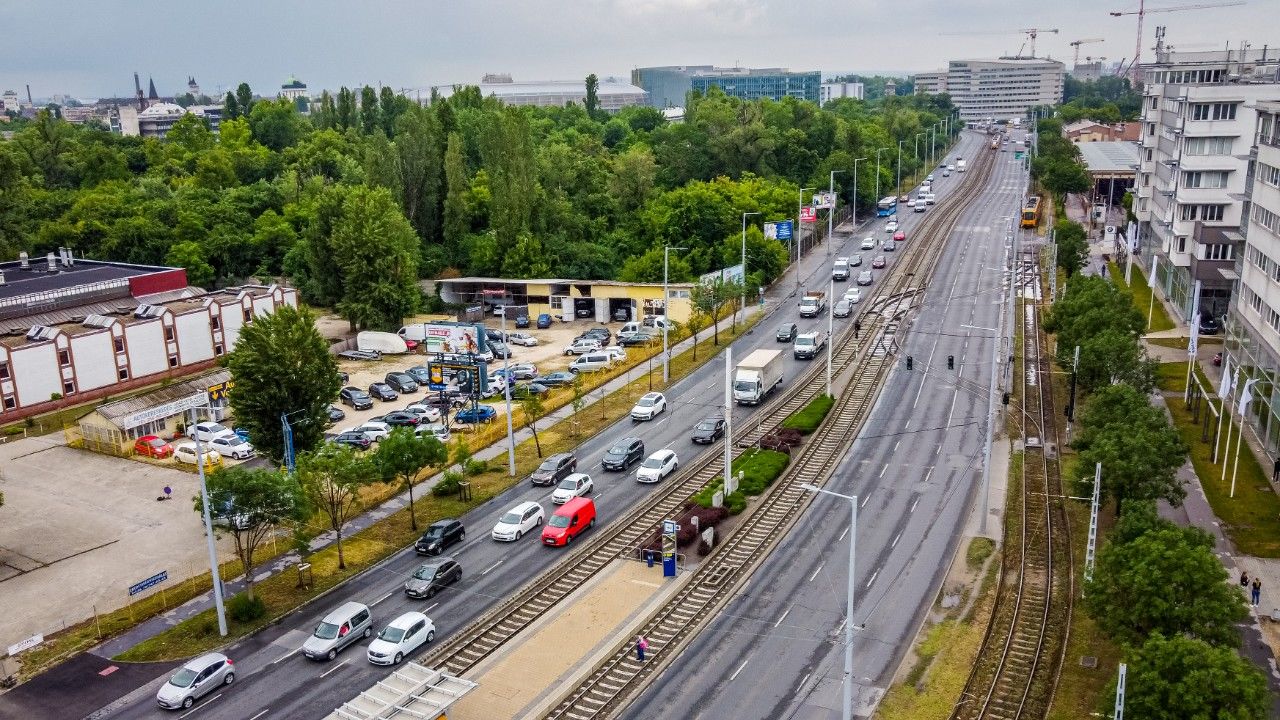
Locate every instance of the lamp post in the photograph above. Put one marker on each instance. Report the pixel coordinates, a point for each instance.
(506, 391)
(744, 263)
(800, 232)
(878, 172)
(208, 533)
(853, 218)
(917, 150)
(847, 710)
(900, 166)
(666, 316)
(831, 213)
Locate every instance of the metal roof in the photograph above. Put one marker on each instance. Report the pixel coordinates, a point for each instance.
(121, 409)
(546, 281)
(1109, 157)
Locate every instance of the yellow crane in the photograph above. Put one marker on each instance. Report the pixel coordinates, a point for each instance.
(1077, 43)
(1143, 11)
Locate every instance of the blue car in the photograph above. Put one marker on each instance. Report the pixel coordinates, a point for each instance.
(242, 434)
(544, 321)
(522, 320)
(477, 414)
(556, 379)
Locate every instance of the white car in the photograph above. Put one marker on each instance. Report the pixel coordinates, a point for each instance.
(232, 446)
(437, 430)
(853, 295)
(891, 226)
(207, 431)
(648, 407)
(425, 413)
(518, 520)
(657, 466)
(950, 168)
(524, 339)
(576, 485)
(618, 352)
(372, 429)
(401, 637)
(911, 203)
(197, 678)
(868, 243)
(186, 453)
(582, 347)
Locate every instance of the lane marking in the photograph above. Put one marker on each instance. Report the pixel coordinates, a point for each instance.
(884, 469)
(283, 657)
(913, 505)
(264, 712)
(873, 577)
(202, 706)
(429, 608)
(805, 679)
(846, 532)
(895, 445)
(928, 473)
(486, 570)
(816, 571)
(734, 676)
(782, 617)
(863, 504)
(895, 541)
(384, 597)
(333, 669)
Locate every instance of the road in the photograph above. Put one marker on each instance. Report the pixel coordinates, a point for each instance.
(275, 681)
(777, 650)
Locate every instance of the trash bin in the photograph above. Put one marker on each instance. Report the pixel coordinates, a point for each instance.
(648, 557)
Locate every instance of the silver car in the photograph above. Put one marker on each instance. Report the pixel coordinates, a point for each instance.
(197, 678)
(345, 625)
(842, 308)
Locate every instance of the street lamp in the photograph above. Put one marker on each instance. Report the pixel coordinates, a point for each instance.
(831, 190)
(853, 218)
(208, 531)
(900, 166)
(878, 172)
(847, 710)
(666, 314)
(744, 263)
(799, 234)
(917, 151)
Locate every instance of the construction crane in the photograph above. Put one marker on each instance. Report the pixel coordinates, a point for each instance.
(1031, 34)
(1142, 12)
(1077, 43)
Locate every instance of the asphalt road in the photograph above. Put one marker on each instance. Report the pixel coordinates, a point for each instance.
(275, 681)
(777, 650)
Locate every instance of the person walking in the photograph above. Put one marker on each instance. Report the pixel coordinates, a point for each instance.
(1275, 471)
(857, 328)
(641, 646)
(1256, 594)
(1244, 578)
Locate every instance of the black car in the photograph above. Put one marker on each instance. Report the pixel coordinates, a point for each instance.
(421, 374)
(336, 414)
(554, 469)
(402, 382)
(492, 335)
(708, 431)
(443, 404)
(622, 314)
(556, 379)
(357, 440)
(524, 390)
(855, 261)
(344, 377)
(636, 338)
(432, 577)
(356, 398)
(787, 332)
(499, 349)
(382, 391)
(601, 334)
(522, 320)
(439, 536)
(1209, 325)
(625, 453)
(402, 418)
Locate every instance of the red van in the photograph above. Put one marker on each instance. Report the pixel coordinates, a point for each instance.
(569, 521)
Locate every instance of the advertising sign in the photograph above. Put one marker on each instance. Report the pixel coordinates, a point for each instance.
(220, 391)
(27, 644)
(824, 201)
(730, 274)
(455, 338)
(149, 583)
(439, 372)
(780, 230)
(808, 214)
(669, 529)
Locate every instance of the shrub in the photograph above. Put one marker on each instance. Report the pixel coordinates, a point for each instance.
(807, 419)
(448, 484)
(736, 503)
(782, 440)
(474, 466)
(243, 608)
(759, 469)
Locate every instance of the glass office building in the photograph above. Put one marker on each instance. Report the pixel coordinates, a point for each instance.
(669, 86)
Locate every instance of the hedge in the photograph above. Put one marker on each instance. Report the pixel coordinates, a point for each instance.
(759, 469)
(810, 417)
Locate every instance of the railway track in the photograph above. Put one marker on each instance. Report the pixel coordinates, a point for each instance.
(619, 678)
(1018, 665)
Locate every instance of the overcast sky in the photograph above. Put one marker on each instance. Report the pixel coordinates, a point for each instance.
(90, 49)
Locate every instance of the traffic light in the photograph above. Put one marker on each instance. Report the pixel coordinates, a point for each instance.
(910, 362)
(951, 362)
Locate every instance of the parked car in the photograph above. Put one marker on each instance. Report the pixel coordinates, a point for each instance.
(357, 440)
(576, 485)
(476, 414)
(186, 453)
(404, 418)
(444, 402)
(432, 577)
(375, 430)
(242, 433)
(786, 332)
(194, 680)
(153, 446)
(544, 321)
(401, 637)
(649, 406)
(523, 371)
(522, 339)
(657, 466)
(624, 453)
(340, 628)
(600, 333)
(900, 236)
(708, 430)
(517, 521)
(425, 413)
(554, 469)
(361, 354)
(440, 536)
(437, 430)
(356, 398)
(206, 431)
(582, 346)
(524, 390)
(636, 338)
(232, 446)
(1209, 325)
(842, 308)
(421, 374)
(383, 392)
(402, 382)
(335, 414)
(522, 320)
(556, 379)
(499, 349)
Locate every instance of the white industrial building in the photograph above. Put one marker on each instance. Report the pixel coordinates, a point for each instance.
(613, 93)
(832, 90)
(158, 118)
(999, 88)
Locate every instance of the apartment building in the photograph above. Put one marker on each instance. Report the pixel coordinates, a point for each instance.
(1198, 122)
(1000, 88)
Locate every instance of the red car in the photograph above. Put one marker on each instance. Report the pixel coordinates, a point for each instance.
(899, 235)
(153, 446)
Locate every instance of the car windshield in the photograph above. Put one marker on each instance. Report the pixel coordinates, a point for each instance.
(392, 634)
(512, 518)
(326, 631)
(215, 428)
(549, 465)
(618, 450)
(744, 385)
(558, 521)
(647, 401)
(156, 442)
(784, 330)
(425, 572)
(707, 425)
(802, 341)
(652, 462)
(569, 484)
(183, 678)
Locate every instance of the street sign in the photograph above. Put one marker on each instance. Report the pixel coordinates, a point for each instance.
(808, 214)
(780, 230)
(27, 644)
(149, 583)
(669, 529)
(824, 201)
(220, 391)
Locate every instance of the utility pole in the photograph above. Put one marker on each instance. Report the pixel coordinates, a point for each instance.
(666, 315)
(831, 294)
(216, 572)
(831, 212)
(506, 384)
(1119, 710)
(728, 414)
(1091, 547)
(900, 166)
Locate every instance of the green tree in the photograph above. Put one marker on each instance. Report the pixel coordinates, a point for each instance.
(1139, 451)
(244, 99)
(346, 114)
(1072, 244)
(592, 101)
(281, 366)
(402, 455)
(632, 179)
(190, 256)
(231, 107)
(47, 144)
(709, 298)
(533, 409)
(457, 210)
(377, 253)
(370, 120)
(276, 124)
(507, 150)
(332, 477)
(252, 503)
(419, 152)
(696, 323)
(1178, 677)
(527, 259)
(648, 268)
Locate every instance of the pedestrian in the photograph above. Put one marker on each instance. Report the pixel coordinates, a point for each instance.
(1244, 578)
(1275, 471)
(1256, 595)
(641, 646)
(857, 328)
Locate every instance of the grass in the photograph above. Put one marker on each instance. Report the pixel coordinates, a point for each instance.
(1172, 377)
(759, 469)
(980, 548)
(808, 418)
(1157, 319)
(372, 545)
(1181, 343)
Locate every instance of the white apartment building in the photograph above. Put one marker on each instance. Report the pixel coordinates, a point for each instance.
(1000, 88)
(1198, 121)
(832, 90)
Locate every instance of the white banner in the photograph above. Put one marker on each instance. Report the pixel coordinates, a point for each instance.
(824, 201)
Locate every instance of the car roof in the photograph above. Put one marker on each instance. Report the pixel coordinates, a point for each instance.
(526, 505)
(202, 662)
(571, 476)
(407, 620)
(654, 394)
(444, 522)
(574, 505)
(343, 611)
(662, 453)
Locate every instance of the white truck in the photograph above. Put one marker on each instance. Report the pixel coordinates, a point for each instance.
(960, 165)
(812, 304)
(756, 376)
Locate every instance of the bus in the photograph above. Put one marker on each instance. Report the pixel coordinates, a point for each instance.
(887, 207)
(1031, 213)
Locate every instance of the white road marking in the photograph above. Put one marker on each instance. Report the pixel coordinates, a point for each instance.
(782, 617)
(264, 712)
(816, 571)
(895, 540)
(895, 445)
(333, 669)
(429, 608)
(907, 426)
(846, 532)
(202, 706)
(734, 676)
(805, 679)
(884, 469)
(284, 657)
(913, 505)
(873, 578)
(928, 473)
(863, 504)
(384, 597)
(486, 570)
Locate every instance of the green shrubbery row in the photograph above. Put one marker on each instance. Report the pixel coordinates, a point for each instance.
(759, 469)
(811, 416)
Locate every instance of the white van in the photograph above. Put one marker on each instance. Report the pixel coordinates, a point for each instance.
(592, 362)
(416, 333)
(630, 328)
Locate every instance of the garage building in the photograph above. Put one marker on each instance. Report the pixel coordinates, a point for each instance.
(569, 299)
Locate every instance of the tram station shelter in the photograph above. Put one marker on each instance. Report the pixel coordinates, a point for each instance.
(1112, 166)
(571, 299)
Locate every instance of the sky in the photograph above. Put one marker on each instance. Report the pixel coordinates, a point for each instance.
(91, 49)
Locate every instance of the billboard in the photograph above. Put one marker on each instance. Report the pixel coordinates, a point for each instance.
(453, 337)
(808, 214)
(824, 201)
(780, 230)
(729, 274)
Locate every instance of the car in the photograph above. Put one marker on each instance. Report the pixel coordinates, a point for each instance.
(888, 246)
(855, 261)
(404, 418)
(340, 628)
(522, 339)
(649, 406)
(618, 352)
(360, 355)
(524, 390)
(522, 371)
(911, 203)
(903, 198)
(842, 308)
(950, 167)
(576, 485)
(499, 349)
(437, 430)
(929, 179)
(242, 433)
(186, 453)
(357, 440)
(207, 431)
(582, 346)
(900, 236)
(432, 577)
(492, 335)
(624, 453)
(522, 320)
(420, 374)
(657, 466)
(444, 402)
(636, 338)
(425, 413)
(556, 379)
(1209, 325)
(476, 414)
(853, 295)
(570, 520)
(544, 321)
(153, 446)
(947, 172)
(517, 521)
(335, 414)
(622, 314)
(356, 398)
(383, 392)
(786, 332)
(375, 430)
(599, 333)
(194, 680)
(554, 469)
(401, 637)
(401, 382)
(440, 536)
(891, 226)
(878, 262)
(921, 207)
(708, 430)
(868, 243)
(584, 311)
(864, 277)
(232, 446)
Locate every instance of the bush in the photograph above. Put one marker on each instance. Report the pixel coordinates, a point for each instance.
(448, 484)
(782, 440)
(810, 417)
(704, 548)
(759, 469)
(474, 466)
(244, 609)
(736, 503)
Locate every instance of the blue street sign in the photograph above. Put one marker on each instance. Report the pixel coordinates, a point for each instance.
(149, 583)
(783, 229)
(436, 387)
(669, 527)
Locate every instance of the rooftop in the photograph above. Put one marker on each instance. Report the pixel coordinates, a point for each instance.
(121, 410)
(546, 281)
(608, 86)
(68, 274)
(1109, 157)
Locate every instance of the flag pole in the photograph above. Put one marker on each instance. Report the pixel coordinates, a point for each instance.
(1230, 410)
(1223, 393)
(1236, 469)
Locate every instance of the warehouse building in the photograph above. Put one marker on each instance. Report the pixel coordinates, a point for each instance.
(600, 300)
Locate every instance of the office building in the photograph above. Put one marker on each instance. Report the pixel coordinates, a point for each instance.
(1001, 88)
(832, 90)
(612, 93)
(1198, 122)
(158, 118)
(669, 86)
(9, 102)
(293, 88)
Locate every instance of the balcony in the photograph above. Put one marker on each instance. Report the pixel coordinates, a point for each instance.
(1210, 272)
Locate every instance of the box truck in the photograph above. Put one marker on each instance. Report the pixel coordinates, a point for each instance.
(757, 376)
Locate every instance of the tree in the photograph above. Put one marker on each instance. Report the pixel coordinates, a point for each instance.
(708, 298)
(252, 503)
(1073, 247)
(1176, 677)
(1166, 581)
(244, 99)
(1139, 451)
(231, 107)
(376, 251)
(281, 366)
(533, 409)
(578, 402)
(457, 210)
(527, 259)
(592, 101)
(696, 323)
(276, 124)
(402, 454)
(331, 478)
(370, 121)
(345, 112)
(190, 255)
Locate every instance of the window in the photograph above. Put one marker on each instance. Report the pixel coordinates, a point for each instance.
(1219, 251)
(1181, 243)
(1208, 146)
(1269, 175)
(168, 334)
(1151, 129)
(1264, 127)
(123, 373)
(1152, 104)
(1273, 318)
(248, 315)
(173, 360)
(64, 357)
(68, 387)
(217, 349)
(4, 371)
(1148, 154)
(1213, 111)
(10, 402)
(119, 343)
(1207, 213)
(1266, 218)
(1207, 179)
(215, 322)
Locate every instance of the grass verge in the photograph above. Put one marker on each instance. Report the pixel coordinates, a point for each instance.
(808, 418)
(1172, 377)
(1157, 318)
(759, 469)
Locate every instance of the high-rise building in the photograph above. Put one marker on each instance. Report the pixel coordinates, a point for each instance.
(1198, 120)
(670, 85)
(1001, 88)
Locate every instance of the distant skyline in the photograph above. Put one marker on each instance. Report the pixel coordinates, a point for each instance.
(91, 50)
